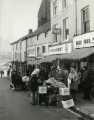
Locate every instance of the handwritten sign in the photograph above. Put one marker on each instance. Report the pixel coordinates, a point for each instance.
(42, 90)
(64, 91)
(68, 103)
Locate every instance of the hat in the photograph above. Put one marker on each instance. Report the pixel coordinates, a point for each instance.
(36, 71)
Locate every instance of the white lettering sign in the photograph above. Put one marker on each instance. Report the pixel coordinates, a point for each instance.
(64, 91)
(61, 49)
(68, 103)
(85, 40)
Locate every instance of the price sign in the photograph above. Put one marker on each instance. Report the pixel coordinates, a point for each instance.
(42, 90)
(64, 91)
(68, 103)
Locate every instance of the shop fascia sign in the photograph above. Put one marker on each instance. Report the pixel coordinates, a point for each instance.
(60, 49)
(85, 40)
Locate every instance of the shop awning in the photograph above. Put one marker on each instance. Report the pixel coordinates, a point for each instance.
(77, 54)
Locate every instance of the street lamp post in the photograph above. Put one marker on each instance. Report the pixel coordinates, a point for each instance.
(20, 57)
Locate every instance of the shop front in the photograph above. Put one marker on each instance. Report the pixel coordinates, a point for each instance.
(58, 54)
(84, 44)
(80, 52)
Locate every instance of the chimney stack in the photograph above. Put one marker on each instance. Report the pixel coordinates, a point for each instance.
(30, 31)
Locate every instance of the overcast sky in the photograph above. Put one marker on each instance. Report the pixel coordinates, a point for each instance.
(16, 17)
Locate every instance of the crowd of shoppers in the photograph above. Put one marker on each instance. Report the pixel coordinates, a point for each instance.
(75, 80)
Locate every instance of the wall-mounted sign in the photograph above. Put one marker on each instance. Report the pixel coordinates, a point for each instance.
(61, 49)
(85, 40)
(31, 52)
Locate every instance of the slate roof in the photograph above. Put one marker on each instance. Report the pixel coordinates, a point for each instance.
(42, 29)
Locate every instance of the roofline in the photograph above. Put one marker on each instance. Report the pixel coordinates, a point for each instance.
(32, 34)
(35, 34)
(21, 39)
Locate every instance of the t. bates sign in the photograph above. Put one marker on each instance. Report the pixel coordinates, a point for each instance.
(85, 40)
(60, 49)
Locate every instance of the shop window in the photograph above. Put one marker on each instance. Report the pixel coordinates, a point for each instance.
(86, 41)
(85, 20)
(43, 49)
(78, 42)
(63, 3)
(65, 29)
(55, 7)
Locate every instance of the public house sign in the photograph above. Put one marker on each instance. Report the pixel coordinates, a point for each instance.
(31, 52)
(84, 40)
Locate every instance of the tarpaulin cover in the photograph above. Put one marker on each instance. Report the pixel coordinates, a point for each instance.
(76, 54)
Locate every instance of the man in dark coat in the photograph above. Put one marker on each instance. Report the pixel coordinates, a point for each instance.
(34, 86)
(88, 77)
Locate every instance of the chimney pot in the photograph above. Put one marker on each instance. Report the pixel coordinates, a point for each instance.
(30, 31)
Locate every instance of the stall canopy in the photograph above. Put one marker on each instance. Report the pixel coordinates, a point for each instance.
(76, 54)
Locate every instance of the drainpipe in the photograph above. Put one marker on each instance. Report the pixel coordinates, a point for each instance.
(20, 57)
(76, 17)
(26, 54)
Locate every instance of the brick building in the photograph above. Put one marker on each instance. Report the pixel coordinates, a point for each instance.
(44, 12)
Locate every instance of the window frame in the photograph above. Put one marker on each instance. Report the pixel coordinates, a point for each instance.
(43, 49)
(55, 6)
(85, 21)
(38, 51)
(55, 35)
(65, 35)
(65, 3)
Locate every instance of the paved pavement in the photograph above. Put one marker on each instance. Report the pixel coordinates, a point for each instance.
(16, 106)
(86, 106)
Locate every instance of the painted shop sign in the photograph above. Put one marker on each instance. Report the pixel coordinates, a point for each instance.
(85, 40)
(61, 49)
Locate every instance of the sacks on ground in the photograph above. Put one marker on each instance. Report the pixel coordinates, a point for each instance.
(55, 83)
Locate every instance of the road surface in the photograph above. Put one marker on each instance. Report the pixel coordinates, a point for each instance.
(16, 106)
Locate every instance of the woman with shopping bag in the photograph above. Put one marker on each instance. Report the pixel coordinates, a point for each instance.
(73, 82)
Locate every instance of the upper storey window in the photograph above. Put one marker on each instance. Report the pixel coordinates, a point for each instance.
(55, 7)
(65, 29)
(85, 20)
(63, 3)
